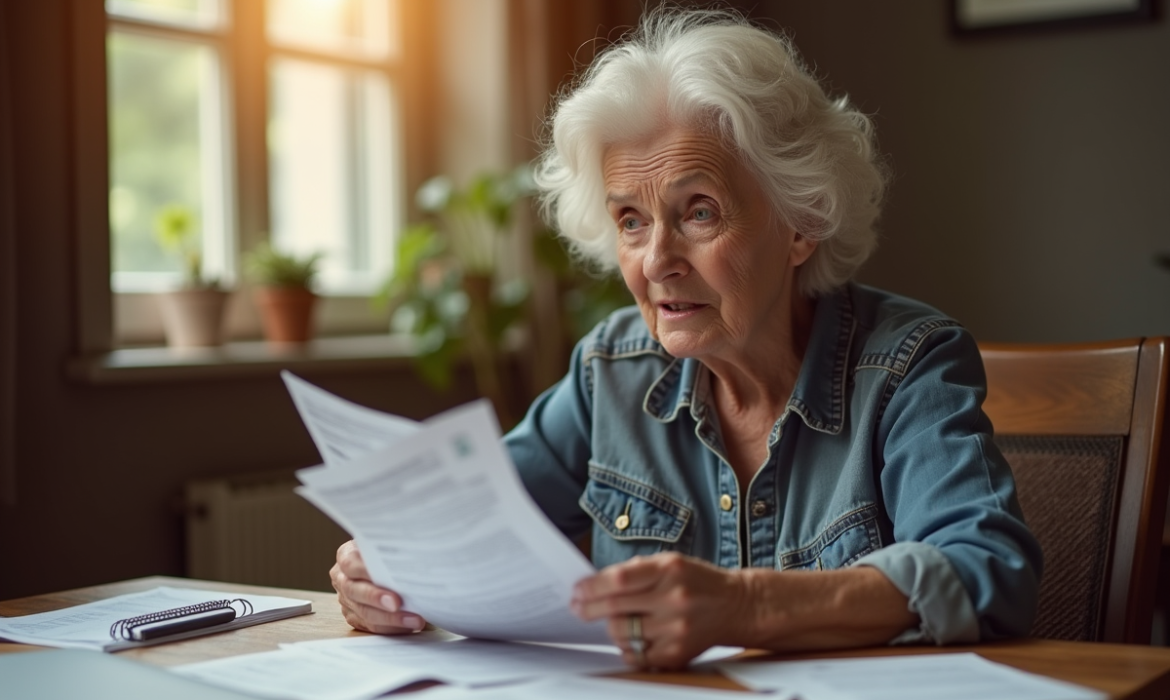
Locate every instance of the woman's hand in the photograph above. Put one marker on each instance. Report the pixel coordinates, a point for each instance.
(686, 606)
(366, 606)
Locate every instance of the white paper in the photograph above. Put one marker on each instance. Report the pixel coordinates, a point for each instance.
(712, 655)
(471, 662)
(87, 626)
(965, 676)
(586, 688)
(442, 518)
(358, 668)
(290, 674)
(716, 654)
(342, 429)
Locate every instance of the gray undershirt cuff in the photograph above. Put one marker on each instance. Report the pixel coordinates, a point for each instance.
(924, 575)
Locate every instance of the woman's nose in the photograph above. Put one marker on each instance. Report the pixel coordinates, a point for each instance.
(664, 256)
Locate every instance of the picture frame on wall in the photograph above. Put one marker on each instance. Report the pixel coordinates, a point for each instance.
(976, 16)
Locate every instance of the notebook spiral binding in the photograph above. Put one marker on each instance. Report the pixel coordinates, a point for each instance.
(122, 629)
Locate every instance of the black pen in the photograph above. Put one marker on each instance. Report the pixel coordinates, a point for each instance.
(164, 628)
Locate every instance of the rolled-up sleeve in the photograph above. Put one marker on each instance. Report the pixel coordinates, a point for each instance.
(962, 554)
(925, 576)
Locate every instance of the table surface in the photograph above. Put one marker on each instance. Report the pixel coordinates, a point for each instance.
(1126, 672)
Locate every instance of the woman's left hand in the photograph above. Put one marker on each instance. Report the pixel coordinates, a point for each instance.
(686, 606)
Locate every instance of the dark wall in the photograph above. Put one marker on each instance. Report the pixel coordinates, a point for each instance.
(99, 468)
(1031, 181)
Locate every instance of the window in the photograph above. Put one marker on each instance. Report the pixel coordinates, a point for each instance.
(272, 119)
(167, 122)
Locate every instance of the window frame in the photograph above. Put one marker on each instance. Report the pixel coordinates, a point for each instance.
(219, 39)
(246, 51)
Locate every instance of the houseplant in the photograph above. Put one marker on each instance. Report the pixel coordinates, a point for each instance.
(283, 292)
(448, 289)
(193, 314)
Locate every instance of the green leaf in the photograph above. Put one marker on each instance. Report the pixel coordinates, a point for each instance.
(436, 366)
(174, 225)
(270, 267)
(435, 194)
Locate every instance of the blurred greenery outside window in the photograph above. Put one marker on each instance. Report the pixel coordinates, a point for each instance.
(333, 176)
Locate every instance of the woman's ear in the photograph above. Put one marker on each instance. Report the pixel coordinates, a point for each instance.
(801, 250)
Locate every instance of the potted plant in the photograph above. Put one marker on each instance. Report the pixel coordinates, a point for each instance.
(193, 314)
(284, 292)
(447, 289)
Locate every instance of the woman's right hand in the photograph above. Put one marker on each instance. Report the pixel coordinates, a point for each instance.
(366, 606)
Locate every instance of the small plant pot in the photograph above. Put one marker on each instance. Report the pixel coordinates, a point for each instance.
(193, 317)
(287, 313)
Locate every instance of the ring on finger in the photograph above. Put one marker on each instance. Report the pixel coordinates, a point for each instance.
(637, 643)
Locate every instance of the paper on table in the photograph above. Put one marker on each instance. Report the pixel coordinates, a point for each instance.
(964, 676)
(716, 654)
(711, 656)
(87, 626)
(471, 662)
(442, 518)
(290, 674)
(342, 429)
(358, 668)
(586, 688)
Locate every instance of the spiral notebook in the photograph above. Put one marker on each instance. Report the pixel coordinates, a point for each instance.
(164, 614)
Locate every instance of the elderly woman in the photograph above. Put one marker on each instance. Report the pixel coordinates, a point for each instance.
(767, 454)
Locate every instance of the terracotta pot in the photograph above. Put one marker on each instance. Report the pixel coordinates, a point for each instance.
(193, 317)
(287, 313)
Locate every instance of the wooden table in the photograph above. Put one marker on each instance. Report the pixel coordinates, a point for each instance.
(1123, 671)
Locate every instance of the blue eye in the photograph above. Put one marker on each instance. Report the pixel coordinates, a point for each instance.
(629, 224)
(703, 214)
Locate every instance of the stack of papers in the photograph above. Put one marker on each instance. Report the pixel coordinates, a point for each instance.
(356, 668)
(441, 517)
(88, 626)
(365, 667)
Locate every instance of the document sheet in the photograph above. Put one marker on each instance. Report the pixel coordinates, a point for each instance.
(88, 626)
(470, 662)
(289, 674)
(583, 688)
(357, 668)
(342, 429)
(964, 676)
(442, 518)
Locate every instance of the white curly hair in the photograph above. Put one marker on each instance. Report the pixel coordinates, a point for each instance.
(816, 158)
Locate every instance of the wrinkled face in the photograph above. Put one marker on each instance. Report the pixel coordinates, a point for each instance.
(710, 266)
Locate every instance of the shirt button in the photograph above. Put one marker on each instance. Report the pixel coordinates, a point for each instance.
(622, 522)
(725, 502)
(759, 508)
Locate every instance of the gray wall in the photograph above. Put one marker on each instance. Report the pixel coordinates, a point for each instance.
(1031, 172)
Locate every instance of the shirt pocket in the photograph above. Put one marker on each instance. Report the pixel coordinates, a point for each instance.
(843, 542)
(631, 518)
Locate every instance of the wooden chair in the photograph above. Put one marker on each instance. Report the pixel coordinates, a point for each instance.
(1083, 427)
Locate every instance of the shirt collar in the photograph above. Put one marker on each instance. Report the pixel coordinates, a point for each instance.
(819, 395)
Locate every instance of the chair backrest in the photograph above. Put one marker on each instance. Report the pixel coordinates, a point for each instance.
(1083, 426)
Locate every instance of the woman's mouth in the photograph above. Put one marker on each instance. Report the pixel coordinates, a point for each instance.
(679, 309)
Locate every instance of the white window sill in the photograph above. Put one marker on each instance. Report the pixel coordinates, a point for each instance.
(242, 359)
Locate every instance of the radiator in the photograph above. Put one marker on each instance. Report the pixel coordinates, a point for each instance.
(254, 529)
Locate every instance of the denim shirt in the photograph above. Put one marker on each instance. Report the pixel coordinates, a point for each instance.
(883, 457)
